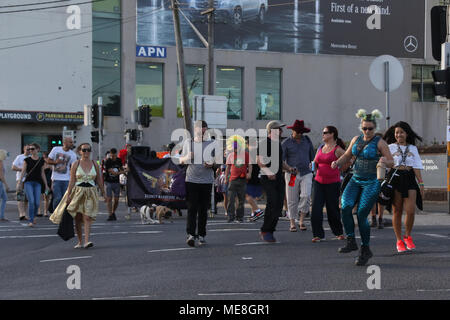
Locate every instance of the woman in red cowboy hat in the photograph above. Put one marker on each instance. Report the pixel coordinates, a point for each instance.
(298, 153)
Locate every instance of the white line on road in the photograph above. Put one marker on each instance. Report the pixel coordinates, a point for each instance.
(334, 291)
(433, 290)
(255, 243)
(435, 235)
(175, 249)
(92, 234)
(116, 298)
(225, 294)
(220, 230)
(64, 259)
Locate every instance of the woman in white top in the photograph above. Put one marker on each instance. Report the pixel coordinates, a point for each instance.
(407, 183)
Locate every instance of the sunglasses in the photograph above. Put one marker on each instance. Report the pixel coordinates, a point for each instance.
(86, 150)
(326, 132)
(367, 128)
(31, 149)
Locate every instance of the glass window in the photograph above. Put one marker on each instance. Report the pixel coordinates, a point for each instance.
(422, 83)
(229, 84)
(195, 85)
(106, 39)
(268, 85)
(149, 86)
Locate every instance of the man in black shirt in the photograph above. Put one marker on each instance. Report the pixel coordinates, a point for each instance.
(113, 169)
(270, 160)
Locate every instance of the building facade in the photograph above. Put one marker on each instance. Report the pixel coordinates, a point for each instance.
(306, 60)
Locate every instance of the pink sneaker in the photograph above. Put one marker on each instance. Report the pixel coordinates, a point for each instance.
(409, 243)
(400, 246)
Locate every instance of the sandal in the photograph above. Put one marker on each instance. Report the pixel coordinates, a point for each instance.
(78, 246)
(293, 229)
(302, 227)
(88, 245)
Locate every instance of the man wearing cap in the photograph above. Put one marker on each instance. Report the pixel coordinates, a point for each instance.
(270, 160)
(298, 152)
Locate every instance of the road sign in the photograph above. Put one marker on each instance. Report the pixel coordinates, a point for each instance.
(212, 109)
(378, 76)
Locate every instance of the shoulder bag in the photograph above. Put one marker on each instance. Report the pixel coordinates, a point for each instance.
(387, 191)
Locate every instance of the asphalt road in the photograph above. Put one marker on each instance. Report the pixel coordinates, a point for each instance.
(134, 261)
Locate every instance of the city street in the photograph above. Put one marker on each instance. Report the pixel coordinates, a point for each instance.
(134, 261)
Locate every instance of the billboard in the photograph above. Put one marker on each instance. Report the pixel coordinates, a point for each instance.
(344, 27)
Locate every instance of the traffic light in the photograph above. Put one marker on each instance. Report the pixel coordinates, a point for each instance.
(95, 136)
(442, 82)
(94, 116)
(438, 29)
(144, 115)
(133, 135)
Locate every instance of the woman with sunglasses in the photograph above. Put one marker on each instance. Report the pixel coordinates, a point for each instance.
(81, 198)
(33, 171)
(364, 187)
(407, 182)
(327, 184)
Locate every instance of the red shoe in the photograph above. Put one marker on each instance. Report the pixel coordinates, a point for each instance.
(401, 246)
(409, 243)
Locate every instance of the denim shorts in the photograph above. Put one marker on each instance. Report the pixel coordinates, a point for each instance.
(112, 187)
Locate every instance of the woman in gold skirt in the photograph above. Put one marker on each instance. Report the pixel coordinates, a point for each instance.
(81, 198)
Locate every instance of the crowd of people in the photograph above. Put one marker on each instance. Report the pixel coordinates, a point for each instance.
(303, 174)
(290, 173)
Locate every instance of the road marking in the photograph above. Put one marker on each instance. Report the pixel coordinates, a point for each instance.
(92, 234)
(64, 259)
(433, 290)
(247, 258)
(225, 294)
(224, 230)
(334, 291)
(115, 298)
(175, 249)
(255, 243)
(435, 235)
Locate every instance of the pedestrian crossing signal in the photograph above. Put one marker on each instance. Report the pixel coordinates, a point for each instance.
(95, 136)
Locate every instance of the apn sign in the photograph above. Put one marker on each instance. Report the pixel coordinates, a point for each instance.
(151, 52)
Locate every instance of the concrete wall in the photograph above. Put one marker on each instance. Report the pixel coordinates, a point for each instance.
(48, 68)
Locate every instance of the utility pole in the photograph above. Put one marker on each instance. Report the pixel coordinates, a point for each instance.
(180, 60)
(211, 22)
(100, 128)
(447, 39)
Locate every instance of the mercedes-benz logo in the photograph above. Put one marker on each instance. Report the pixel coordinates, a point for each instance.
(411, 43)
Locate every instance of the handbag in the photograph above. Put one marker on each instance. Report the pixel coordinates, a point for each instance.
(387, 190)
(349, 173)
(65, 228)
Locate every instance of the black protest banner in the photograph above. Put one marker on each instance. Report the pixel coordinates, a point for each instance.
(155, 181)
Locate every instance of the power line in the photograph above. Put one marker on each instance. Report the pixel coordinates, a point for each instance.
(32, 4)
(53, 7)
(126, 20)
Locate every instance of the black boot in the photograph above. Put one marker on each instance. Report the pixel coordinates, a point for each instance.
(350, 246)
(364, 255)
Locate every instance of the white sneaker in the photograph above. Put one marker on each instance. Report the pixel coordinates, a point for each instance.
(202, 240)
(191, 241)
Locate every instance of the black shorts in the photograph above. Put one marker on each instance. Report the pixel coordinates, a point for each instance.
(403, 181)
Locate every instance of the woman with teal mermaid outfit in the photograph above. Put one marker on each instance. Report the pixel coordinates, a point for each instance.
(363, 188)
